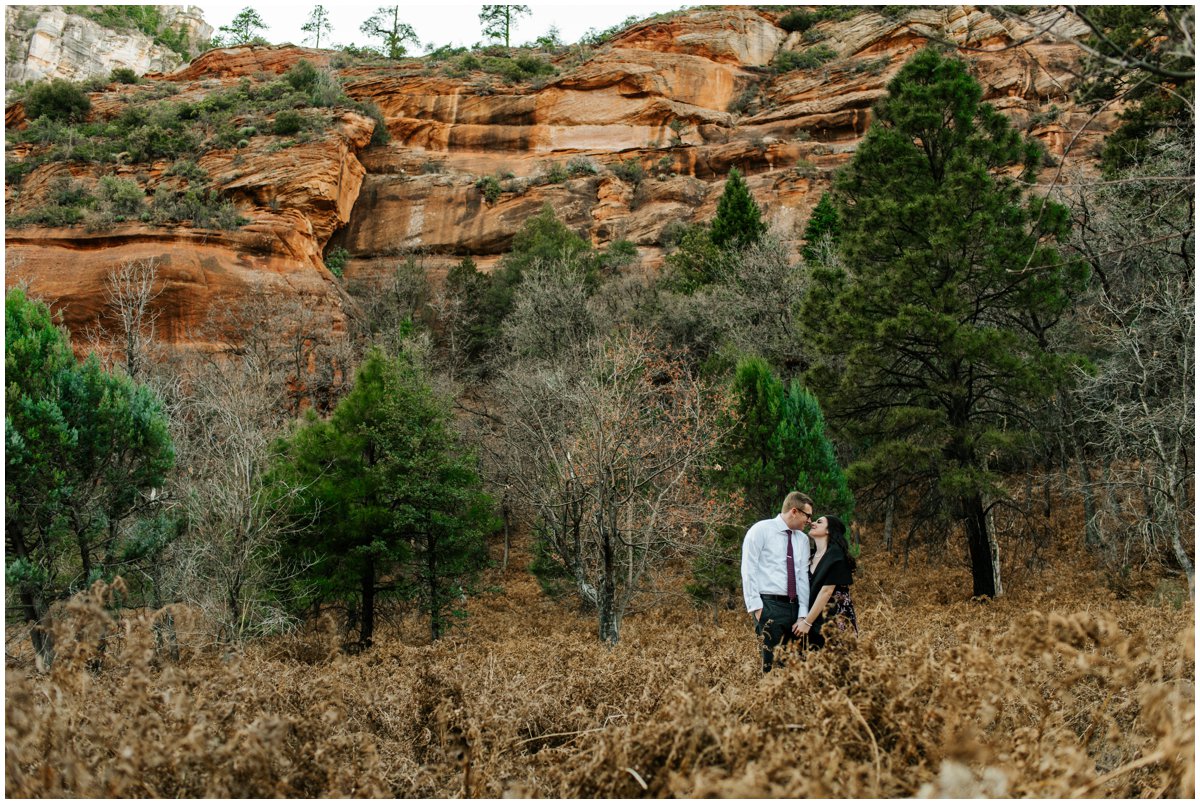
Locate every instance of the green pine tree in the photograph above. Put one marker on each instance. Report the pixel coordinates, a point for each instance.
(777, 443)
(391, 500)
(952, 281)
(739, 220)
(823, 223)
(394, 35)
(83, 449)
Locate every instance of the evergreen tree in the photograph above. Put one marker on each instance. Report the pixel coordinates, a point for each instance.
(83, 449)
(822, 224)
(1145, 56)
(318, 24)
(385, 25)
(498, 21)
(778, 444)
(388, 493)
(952, 282)
(244, 29)
(739, 220)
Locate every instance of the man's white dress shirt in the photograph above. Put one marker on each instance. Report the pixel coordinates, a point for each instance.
(764, 563)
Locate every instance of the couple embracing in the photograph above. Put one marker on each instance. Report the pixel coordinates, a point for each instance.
(793, 591)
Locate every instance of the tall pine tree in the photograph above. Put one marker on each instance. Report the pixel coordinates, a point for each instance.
(952, 280)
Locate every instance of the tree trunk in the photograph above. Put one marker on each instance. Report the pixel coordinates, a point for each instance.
(1093, 538)
(33, 606)
(889, 518)
(367, 632)
(435, 605)
(983, 573)
(609, 625)
(504, 512)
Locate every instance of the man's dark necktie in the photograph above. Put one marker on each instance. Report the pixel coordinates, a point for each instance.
(791, 568)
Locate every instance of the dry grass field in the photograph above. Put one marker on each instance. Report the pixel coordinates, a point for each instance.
(1064, 687)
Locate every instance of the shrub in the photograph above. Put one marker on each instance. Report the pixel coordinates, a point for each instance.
(380, 135)
(582, 166)
(335, 260)
(809, 59)
(158, 142)
(490, 187)
(302, 76)
(50, 215)
(798, 20)
(123, 75)
(124, 198)
(201, 207)
(287, 123)
(58, 100)
(65, 192)
(554, 173)
(630, 171)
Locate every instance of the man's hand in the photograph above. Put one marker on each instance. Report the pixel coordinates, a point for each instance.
(756, 613)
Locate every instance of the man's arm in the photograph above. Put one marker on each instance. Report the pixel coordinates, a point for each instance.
(802, 572)
(751, 548)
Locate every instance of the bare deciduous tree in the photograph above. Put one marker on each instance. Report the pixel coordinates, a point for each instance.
(1138, 404)
(605, 447)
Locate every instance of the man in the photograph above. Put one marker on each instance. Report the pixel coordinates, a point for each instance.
(775, 573)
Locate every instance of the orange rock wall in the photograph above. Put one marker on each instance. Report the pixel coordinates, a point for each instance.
(688, 97)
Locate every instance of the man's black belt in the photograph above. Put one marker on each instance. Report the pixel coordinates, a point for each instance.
(779, 598)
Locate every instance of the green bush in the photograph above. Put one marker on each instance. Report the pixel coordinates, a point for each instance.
(335, 260)
(201, 207)
(798, 20)
(123, 197)
(809, 59)
(123, 75)
(582, 166)
(58, 100)
(554, 173)
(630, 171)
(287, 123)
(302, 76)
(65, 192)
(51, 215)
(158, 142)
(380, 135)
(490, 187)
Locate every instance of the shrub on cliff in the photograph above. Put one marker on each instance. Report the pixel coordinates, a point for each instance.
(287, 123)
(58, 100)
(809, 59)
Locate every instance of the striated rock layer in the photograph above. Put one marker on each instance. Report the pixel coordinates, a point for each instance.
(685, 96)
(50, 42)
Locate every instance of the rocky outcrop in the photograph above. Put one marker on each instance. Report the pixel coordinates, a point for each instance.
(44, 42)
(625, 141)
(686, 97)
(294, 198)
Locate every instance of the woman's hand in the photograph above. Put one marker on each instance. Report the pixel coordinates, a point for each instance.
(801, 627)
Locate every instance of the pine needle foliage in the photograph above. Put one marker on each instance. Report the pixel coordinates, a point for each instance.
(952, 281)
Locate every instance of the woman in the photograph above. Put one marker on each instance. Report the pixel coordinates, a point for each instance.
(830, 572)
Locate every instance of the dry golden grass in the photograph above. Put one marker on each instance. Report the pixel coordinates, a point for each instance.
(1057, 689)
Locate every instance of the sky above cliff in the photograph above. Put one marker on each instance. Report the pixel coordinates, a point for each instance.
(435, 24)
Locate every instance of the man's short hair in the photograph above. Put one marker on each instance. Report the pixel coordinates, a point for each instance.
(796, 499)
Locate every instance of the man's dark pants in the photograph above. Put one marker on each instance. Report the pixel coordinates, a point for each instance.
(774, 626)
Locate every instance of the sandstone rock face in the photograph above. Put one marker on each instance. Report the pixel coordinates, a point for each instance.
(49, 42)
(294, 198)
(687, 98)
(683, 98)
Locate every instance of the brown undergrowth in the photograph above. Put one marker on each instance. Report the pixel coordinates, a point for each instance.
(1057, 689)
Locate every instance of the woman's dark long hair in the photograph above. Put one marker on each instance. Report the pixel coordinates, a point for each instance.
(837, 537)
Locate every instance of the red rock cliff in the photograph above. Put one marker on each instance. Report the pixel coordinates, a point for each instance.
(687, 97)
